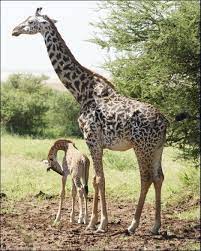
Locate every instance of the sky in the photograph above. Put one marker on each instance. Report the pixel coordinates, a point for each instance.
(28, 53)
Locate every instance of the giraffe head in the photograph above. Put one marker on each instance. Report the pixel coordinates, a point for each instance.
(33, 24)
(54, 165)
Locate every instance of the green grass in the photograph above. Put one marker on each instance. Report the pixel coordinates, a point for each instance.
(193, 246)
(24, 174)
(193, 214)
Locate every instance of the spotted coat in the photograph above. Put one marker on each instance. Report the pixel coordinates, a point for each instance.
(107, 120)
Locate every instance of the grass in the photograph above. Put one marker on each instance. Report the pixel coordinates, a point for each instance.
(23, 173)
(193, 214)
(193, 246)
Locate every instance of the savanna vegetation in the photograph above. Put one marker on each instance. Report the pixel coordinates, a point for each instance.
(156, 48)
(31, 196)
(24, 174)
(156, 44)
(28, 107)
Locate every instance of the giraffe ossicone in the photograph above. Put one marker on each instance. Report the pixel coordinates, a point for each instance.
(107, 120)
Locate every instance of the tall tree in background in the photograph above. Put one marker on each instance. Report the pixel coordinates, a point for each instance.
(157, 50)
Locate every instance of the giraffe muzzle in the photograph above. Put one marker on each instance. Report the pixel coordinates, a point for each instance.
(56, 170)
(15, 33)
(18, 30)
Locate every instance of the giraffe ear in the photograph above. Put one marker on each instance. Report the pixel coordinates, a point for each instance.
(38, 11)
(54, 21)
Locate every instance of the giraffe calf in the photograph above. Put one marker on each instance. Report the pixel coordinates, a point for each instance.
(75, 164)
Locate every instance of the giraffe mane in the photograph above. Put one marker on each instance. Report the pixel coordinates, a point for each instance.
(74, 59)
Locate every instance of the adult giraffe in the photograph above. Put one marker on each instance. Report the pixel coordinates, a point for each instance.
(107, 120)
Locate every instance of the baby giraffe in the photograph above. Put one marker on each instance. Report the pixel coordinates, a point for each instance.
(75, 164)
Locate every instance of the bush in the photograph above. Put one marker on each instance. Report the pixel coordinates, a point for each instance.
(190, 178)
(157, 51)
(62, 116)
(23, 106)
(30, 108)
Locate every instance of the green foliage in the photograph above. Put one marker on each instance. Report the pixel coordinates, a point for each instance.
(157, 50)
(23, 109)
(190, 178)
(30, 108)
(62, 115)
(116, 161)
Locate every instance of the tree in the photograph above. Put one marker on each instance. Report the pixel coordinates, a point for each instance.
(22, 104)
(157, 50)
(28, 107)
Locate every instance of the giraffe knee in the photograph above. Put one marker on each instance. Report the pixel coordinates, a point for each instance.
(100, 180)
(146, 178)
(81, 191)
(73, 193)
(159, 176)
(62, 194)
(95, 185)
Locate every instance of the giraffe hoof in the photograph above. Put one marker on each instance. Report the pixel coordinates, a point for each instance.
(129, 232)
(90, 227)
(155, 232)
(72, 220)
(80, 221)
(56, 222)
(99, 230)
(85, 222)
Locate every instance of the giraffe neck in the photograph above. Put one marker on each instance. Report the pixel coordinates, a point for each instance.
(69, 71)
(58, 145)
(81, 82)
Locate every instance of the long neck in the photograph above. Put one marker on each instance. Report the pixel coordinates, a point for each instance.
(70, 72)
(52, 157)
(84, 84)
(58, 145)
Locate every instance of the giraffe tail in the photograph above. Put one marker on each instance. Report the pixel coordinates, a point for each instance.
(86, 189)
(181, 116)
(86, 173)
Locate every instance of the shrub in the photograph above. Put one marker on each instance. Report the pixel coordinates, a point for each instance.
(156, 59)
(62, 116)
(30, 108)
(23, 109)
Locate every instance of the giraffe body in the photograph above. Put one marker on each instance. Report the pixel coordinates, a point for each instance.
(76, 165)
(107, 120)
(122, 123)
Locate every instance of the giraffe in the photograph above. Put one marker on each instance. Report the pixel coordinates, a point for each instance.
(76, 165)
(107, 120)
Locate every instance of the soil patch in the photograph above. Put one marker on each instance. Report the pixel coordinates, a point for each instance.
(28, 225)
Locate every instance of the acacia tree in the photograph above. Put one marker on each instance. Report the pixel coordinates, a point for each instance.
(156, 44)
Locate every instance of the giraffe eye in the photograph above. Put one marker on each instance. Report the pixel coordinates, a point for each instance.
(31, 22)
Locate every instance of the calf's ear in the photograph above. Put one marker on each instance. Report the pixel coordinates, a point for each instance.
(45, 162)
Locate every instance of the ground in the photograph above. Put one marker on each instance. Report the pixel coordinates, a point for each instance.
(28, 225)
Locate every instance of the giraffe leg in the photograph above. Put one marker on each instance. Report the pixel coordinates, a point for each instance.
(99, 185)
(81, 214)
(94, 215)
(145, 166)
(104, 219)
(80, 191)
(136, 220)
(62, 195)
(157, 185)
(150, 171)
(74, 193)
(85, 208)
(158, 178)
